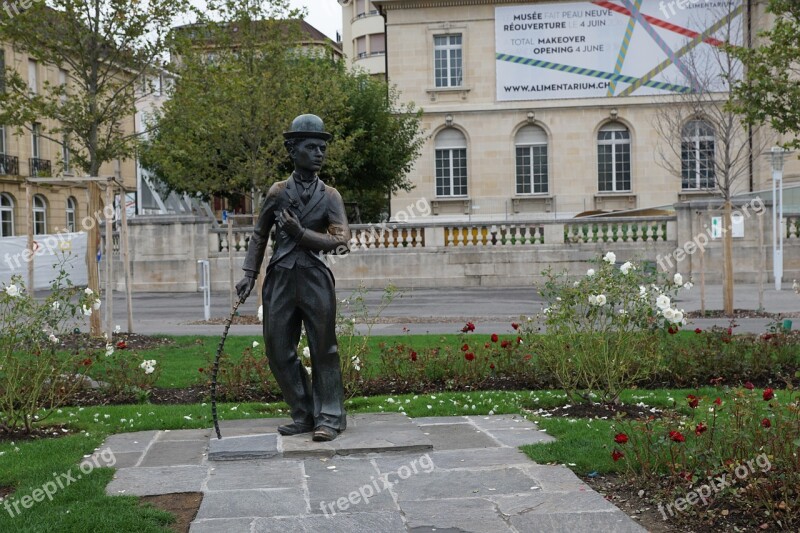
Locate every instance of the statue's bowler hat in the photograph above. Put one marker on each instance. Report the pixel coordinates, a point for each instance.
(307, 126)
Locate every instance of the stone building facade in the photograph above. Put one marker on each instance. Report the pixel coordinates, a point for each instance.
(565, 142)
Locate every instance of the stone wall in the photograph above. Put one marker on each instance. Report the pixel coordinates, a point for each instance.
(165, 250)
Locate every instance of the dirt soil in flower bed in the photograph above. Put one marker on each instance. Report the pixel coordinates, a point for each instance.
(252, 320)
(133, 341)
(642, 506)
(37, 432)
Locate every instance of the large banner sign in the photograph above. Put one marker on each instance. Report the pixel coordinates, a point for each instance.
(612, 48)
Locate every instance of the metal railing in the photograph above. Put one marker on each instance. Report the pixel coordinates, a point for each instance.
(9, 165)
(39, 167)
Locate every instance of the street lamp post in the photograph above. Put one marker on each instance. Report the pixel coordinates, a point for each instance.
(777, 154)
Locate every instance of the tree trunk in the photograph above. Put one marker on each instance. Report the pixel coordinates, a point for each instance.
(727, 259)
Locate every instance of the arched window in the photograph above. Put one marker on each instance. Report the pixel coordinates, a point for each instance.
(531, 153)
(72, 210)
(39, 215)
(6, 215)
(451, 163)
(697, 156)
(614, 158)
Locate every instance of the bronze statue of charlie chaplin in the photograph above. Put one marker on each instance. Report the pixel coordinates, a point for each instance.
(310, 221)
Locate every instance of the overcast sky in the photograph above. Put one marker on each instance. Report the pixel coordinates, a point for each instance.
(325, 15)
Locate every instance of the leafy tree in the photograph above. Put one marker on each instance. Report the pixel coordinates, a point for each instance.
(104, 46)
(770, 91)
(238, 88)
(705, 111)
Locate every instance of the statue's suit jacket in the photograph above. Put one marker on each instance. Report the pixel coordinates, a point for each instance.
(324, 220)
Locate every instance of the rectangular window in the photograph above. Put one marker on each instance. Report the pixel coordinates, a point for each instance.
(35, 140)
(614, 161)
(532, 169)
(361, 46)
(377, 43)
(62, 81)
(2, 70)
(361, 7)
(33, 83)
(451, 172)
(447, 60)
(697, 168)
(65, 153)
(39, 222)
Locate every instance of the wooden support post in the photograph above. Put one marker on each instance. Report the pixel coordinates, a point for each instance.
(126, 260)
(92, 247)
(108, 212)
(29, 202)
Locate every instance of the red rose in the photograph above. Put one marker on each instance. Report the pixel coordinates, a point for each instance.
(121, 345)
(469, 326)
(718, 401)
(491, 366)
(620, 438)
(515, 325)
(766, 423)
(677, 436)
(201, 370)
(505, 344)
(700, 429)
(672, 330)
(413, 355)
(86, 362)
(465, 348)
(617, 455)
(487, 345)
(749, 386)
(768, 394)
(693, 401)
(698, 331)
(519, 340)
(730, 331)
(469, 356)
(495, 337)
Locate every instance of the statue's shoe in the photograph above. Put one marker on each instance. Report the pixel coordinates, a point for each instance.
(324, 433)
(294, 429)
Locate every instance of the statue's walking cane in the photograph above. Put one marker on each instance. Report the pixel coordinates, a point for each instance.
(215, 369)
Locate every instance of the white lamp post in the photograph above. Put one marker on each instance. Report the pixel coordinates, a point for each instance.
(777, 153)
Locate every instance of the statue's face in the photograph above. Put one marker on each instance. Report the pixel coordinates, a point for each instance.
(309, 154)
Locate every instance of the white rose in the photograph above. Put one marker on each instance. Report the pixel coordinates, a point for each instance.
(109, 349)
(590, 272)
(642, 291)
(88, 291)
(56, 306)
(678, 279)
(53, 339)
(610, 258)
(117, 328)
(306, 352)
(592, 299)
(669, 314)
(575, 284)
(688, 285)
(677, 317)
(601, 299)
(87, 311)
(96, 305)
(663, 302)
(626, 267)
(12, 290)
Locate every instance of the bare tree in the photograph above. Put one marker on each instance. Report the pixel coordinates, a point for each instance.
(702, 140)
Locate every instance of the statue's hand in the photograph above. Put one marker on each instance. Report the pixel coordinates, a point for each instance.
(244, 287)
(289, 223)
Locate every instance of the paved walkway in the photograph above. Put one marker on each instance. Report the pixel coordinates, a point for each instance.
(387, 473)
(431, 310)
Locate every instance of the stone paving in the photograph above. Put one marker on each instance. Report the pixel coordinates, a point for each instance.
(386, 473)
